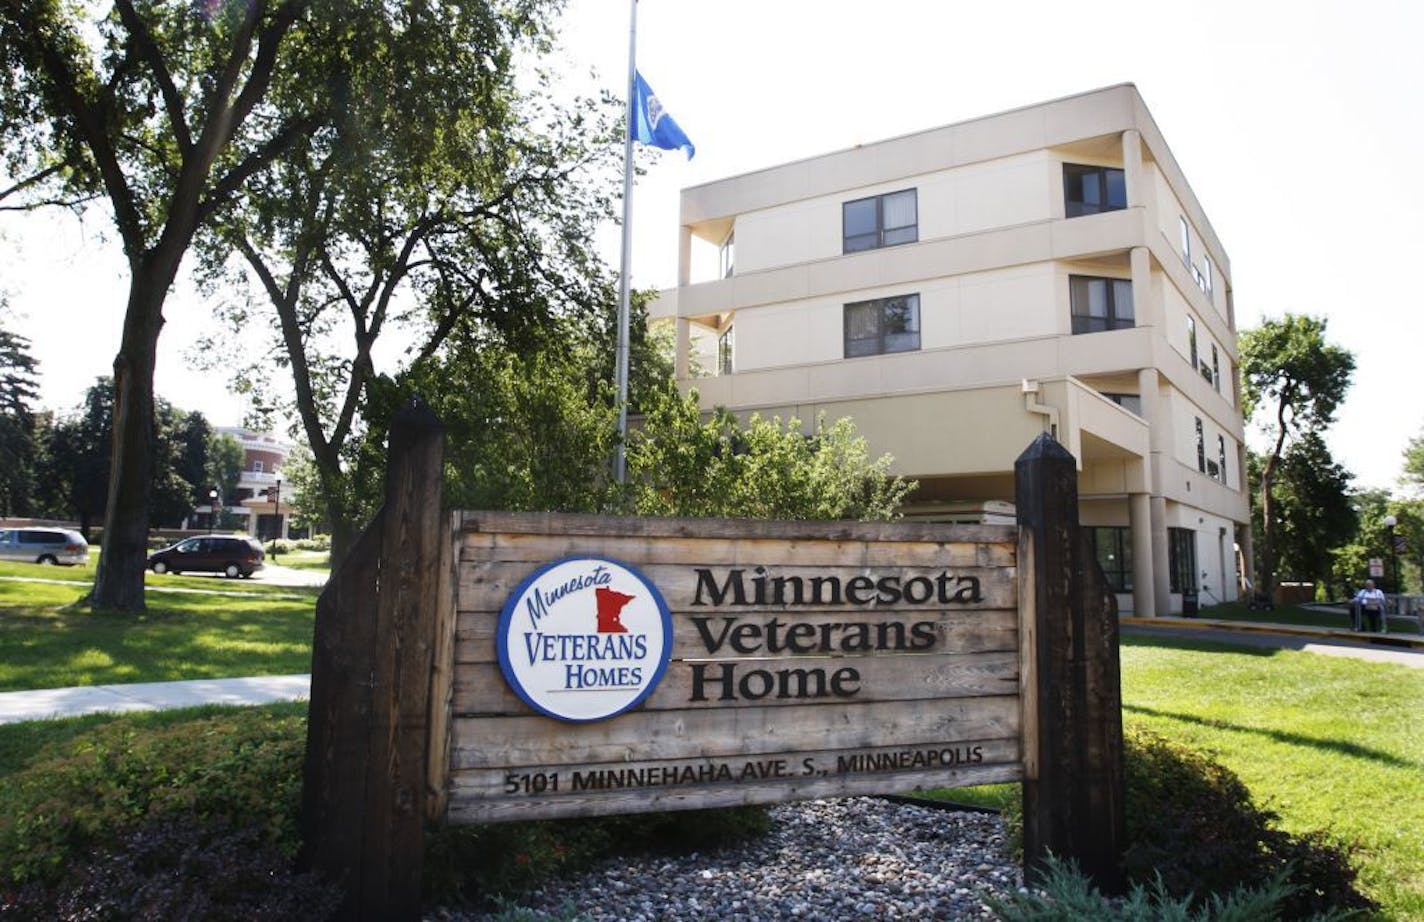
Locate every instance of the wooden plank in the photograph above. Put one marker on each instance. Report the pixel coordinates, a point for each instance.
(488, 742)
(481, 689)
(978, 631)
(442, 684)
(573, 524)
(487, 586)
(534, 783)
(745, 551)
(477, 811)
(1028, 662)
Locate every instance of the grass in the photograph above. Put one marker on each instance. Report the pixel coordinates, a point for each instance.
(51, 642)
(1326, 742)
(302, 560)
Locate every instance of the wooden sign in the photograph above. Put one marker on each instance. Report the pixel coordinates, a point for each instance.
(807, 660)
(479, 667)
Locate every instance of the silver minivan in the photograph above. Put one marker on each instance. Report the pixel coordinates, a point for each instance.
(44, 545)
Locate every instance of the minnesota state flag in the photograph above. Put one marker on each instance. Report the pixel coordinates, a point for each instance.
(652, 125)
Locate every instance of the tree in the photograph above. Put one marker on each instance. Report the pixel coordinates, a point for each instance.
(481, 230)
(1298, 380)
(1414, 462)
(224, 467)
(18, 392)
(682, 464)
(1314, 509)
(77, 453)
(162, 110)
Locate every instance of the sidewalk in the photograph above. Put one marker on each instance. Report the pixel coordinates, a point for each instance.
(45, 703)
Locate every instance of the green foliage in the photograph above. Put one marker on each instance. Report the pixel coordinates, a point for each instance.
(682, 464)
(146, 803)
(183, 868)
(1314, 507)
(449, 203)
(223, 467)
(1298, 379)
(19, 389)
(239, 767)
(1066, 895)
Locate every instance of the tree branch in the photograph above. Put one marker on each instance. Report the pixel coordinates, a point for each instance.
(148, 49)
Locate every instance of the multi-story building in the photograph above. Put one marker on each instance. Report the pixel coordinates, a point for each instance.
(262, 502)
(960, 290)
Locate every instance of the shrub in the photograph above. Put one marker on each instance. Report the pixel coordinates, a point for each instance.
(183, 868)
(1193, 827)
(239, 766)
(1067, 896)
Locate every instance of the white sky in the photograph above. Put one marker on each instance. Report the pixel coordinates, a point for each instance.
(1297, 124)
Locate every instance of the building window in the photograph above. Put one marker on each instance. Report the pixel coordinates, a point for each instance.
(1092, 189)
(1112, 546)
(1192, 341)
(256, 467)
(725, 346)
(880, 221)
(1100, 304)
(1221, 456)
(1208, 281)
(1215, 368)
(1201, 447)
(1182, 560)
(726, 256)
(1129, 402)
(883, 325)
(1186, 240)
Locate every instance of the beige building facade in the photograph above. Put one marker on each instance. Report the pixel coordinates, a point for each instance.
(959, 291)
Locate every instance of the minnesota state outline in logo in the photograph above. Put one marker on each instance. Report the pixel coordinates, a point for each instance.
(584, 638)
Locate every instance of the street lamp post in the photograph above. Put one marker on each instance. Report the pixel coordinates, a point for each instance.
(212, 509)
(276, 516)
(1389, 523)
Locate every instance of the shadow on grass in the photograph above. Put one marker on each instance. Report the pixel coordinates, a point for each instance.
(1155, 637)
(1281, 736)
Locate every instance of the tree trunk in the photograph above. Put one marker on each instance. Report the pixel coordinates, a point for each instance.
(118, 582)
(1268, 536)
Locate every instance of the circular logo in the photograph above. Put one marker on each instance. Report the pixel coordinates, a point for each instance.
(584, 638)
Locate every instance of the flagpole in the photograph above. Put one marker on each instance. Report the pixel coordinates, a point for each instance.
(620, 470)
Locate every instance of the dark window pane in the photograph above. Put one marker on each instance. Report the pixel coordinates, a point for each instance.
(860, 217)
(901, 235)
(1117, 188)
(863, 242)
(1122, 301)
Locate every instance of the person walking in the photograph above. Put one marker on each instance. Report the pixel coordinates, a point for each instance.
(1369, 608)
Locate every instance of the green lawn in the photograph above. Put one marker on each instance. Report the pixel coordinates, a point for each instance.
(1327, 742)
(50, 642)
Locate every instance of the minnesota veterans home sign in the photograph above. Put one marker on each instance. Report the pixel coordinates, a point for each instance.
(485, 667)
(696, 663)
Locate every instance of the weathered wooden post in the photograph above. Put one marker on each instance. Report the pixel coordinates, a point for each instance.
(368, 737)
(1073, 775)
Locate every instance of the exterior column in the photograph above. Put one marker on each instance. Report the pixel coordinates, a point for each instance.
(1161, 572)
(1146, 304)
(1132, 169)
(1144, 597)
(682, 353)
(684, 257)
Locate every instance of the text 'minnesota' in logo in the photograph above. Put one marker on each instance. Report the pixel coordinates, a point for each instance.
(584, 638)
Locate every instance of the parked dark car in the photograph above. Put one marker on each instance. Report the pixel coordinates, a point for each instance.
(44, 545)
(230, 556)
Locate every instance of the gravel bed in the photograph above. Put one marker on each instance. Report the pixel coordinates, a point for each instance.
(858, 858)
